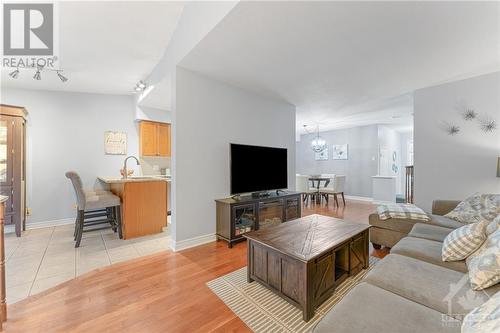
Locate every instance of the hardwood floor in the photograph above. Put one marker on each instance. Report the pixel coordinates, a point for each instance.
(164, 292)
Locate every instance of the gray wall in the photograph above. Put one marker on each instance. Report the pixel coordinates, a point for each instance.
(453, 167)
(66, 132)
(362, 162)
(208, 116)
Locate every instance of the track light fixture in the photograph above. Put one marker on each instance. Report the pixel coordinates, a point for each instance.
(140, 87)
(38, 74)
(62, 77)
(14, 74)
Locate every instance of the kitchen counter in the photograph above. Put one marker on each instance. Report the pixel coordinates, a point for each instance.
(119, 180)
(144, 204)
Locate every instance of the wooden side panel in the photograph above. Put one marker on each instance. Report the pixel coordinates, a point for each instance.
(148, 138)
(259, 262)
(290, 279)
(324, 277)
(164, 146)
(274, 270)
(358, 254)
(223, 215)
(144, 208)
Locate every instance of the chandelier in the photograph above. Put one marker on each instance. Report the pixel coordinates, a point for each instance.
(318, 144)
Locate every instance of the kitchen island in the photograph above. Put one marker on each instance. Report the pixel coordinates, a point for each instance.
(143, 203)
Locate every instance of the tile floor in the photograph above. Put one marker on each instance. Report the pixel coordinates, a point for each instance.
(45, 257)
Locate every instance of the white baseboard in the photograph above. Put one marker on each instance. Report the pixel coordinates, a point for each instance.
(192, 242)
(42, 224)
(354, 197)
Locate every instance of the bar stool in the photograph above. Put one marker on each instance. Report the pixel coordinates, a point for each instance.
(94, 208)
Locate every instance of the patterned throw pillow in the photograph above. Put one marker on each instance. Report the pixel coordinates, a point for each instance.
(493, 226)
(484, 318)
(476, 208)
(464, 241)
(401, 211)
(484, 264)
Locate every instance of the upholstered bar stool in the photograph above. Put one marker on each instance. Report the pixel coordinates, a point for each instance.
(94, 208)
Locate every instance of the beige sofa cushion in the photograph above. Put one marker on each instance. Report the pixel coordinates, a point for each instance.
(446, 222)
(428, 251)
(434, 286)
(368, 309)
(430, 232)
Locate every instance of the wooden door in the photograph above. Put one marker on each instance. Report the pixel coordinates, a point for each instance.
(7, 165)
(164, 146)
(149, 138)
(12, 173)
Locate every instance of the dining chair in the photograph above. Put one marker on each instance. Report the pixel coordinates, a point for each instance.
(302, 186)
(94, 208)
(335, 186)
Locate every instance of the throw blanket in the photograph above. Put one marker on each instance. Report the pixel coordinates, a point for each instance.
(401, 211)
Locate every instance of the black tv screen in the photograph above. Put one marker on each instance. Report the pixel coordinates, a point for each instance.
(256, 169)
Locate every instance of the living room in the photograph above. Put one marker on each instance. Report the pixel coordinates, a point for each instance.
(252, 74)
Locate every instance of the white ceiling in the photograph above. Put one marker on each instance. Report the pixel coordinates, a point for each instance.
(106, 46)
(350, 62)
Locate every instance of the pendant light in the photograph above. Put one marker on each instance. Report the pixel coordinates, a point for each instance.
(318, 144)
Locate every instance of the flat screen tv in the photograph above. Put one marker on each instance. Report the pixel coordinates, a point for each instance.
(257, 169)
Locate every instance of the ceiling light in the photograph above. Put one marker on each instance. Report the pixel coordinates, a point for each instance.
(37, 75)
(318, 144)
(62, 77)
(14, 74)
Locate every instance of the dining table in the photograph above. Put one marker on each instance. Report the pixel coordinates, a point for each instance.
(317, 180)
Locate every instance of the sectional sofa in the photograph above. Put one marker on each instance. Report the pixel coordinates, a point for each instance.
(411, 289)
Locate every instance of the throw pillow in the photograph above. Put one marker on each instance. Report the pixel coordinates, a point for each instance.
(484, 264)
(493, 226)
(484, 318)
(401, 211)
(462, 242)
(476, 208)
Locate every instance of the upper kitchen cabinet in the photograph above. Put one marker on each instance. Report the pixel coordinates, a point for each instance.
(154, 139)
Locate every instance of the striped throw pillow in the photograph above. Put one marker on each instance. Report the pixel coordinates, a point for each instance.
(464, 241)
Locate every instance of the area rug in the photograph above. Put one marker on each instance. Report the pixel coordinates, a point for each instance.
(263, 311)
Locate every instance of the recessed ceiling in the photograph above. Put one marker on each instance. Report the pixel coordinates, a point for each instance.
(340, 60)
(106, 46)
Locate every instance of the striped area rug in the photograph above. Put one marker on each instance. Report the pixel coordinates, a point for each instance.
(263, 311)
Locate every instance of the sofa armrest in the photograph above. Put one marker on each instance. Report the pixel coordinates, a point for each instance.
(443, 207)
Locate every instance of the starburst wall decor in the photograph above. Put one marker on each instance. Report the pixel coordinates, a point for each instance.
(486, 123)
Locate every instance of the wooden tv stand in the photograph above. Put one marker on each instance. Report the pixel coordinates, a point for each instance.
(235, 217)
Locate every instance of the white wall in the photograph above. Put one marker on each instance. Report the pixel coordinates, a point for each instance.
(359, 168)
(453, 167)
(404, 139)
(208, 116)
(389, 143)
(66, 132)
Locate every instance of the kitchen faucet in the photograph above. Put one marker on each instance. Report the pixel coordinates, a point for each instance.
(125, 172)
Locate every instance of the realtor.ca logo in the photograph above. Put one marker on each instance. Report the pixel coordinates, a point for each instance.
(29, 33)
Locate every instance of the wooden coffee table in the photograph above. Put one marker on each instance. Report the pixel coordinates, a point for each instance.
(304, 260)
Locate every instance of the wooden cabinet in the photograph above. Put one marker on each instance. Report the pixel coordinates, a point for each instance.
(237, 217)
(155, 139)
